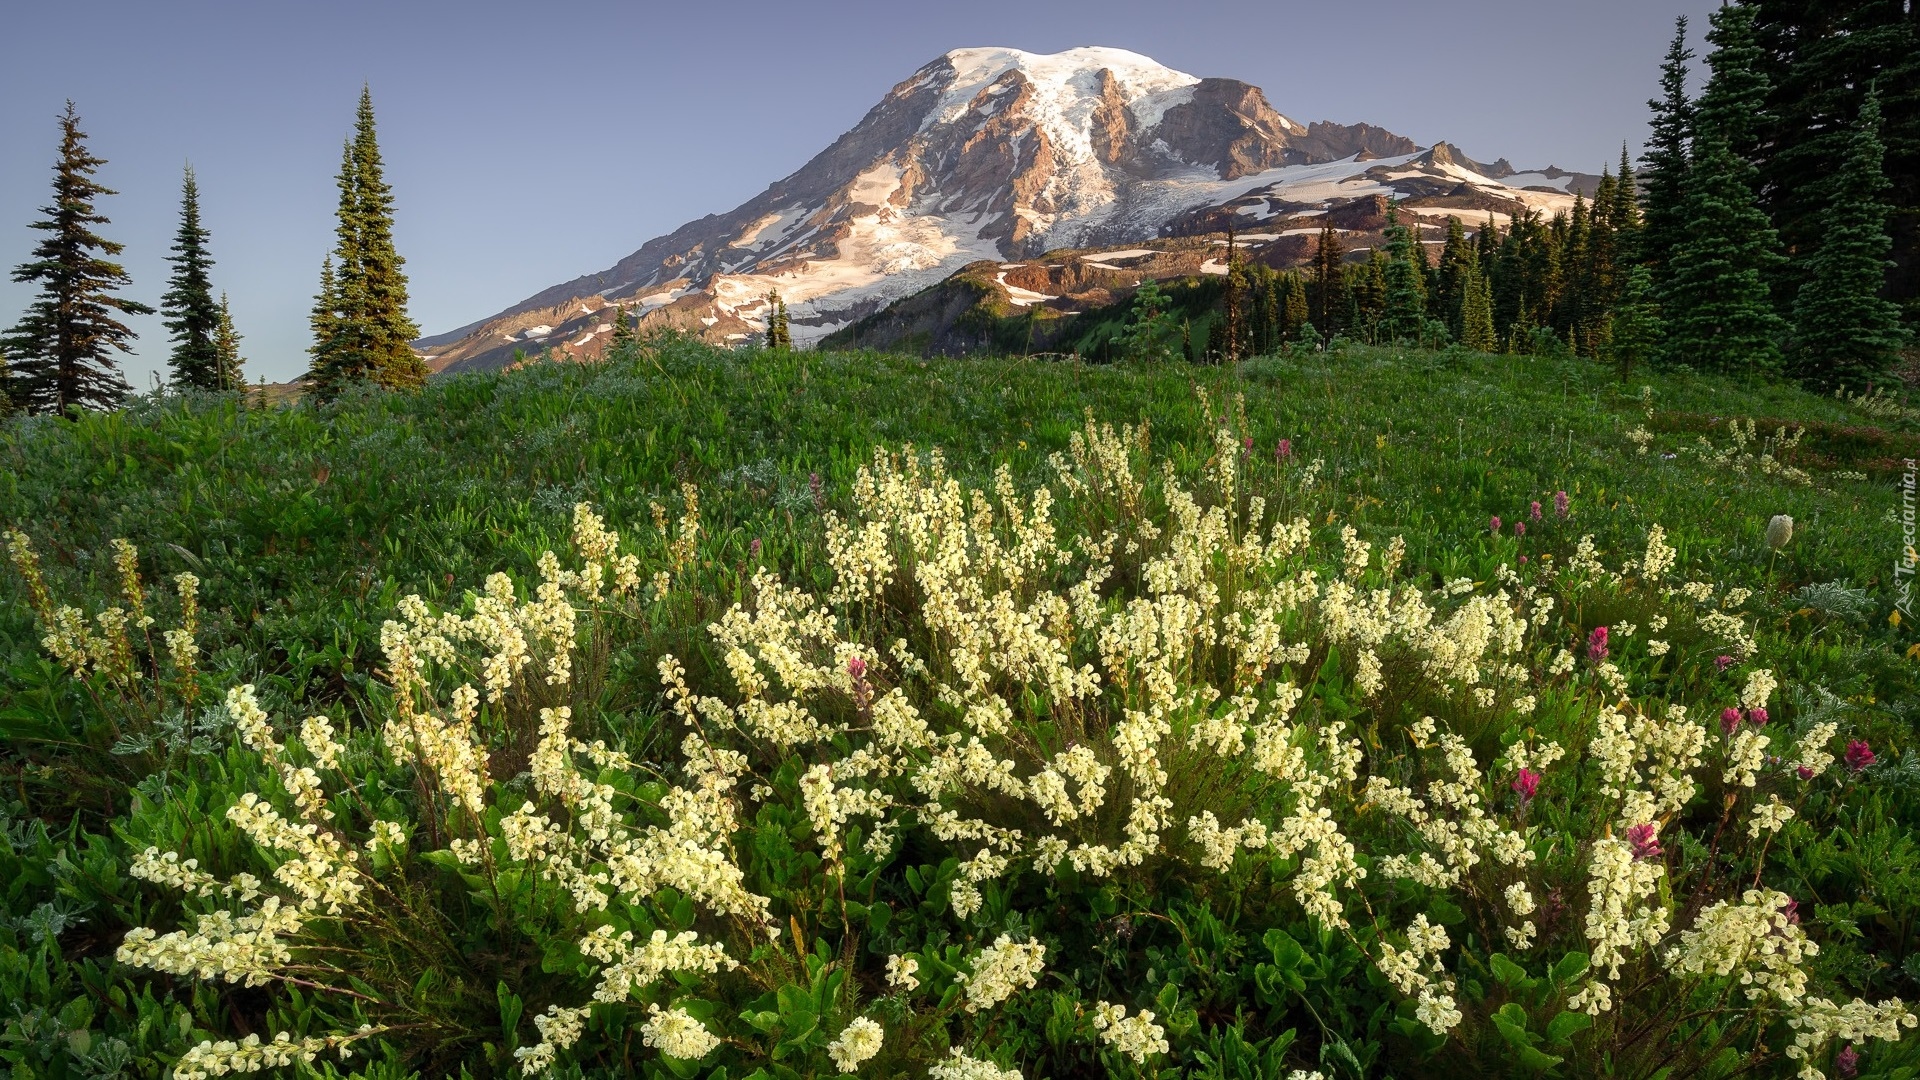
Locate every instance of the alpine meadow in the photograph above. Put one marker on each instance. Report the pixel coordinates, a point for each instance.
(1087, 577)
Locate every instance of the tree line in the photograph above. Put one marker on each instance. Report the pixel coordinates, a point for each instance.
(64, 351)
(1773, 225)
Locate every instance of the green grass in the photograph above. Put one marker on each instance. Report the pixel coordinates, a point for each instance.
(307, 524)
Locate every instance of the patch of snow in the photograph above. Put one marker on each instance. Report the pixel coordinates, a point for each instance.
(1011, 266)
(709, 320)
(1213, 266)
(875, 186)
(1103, 266)
(538, 331)
(772, 227)
(1130, 253)
(1019, 296)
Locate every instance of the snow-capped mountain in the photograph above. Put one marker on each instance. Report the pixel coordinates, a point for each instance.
(998, 154)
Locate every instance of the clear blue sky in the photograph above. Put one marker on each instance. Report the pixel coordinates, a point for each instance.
(531, 143)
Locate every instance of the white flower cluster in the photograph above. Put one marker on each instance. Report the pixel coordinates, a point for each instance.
(675, 1033)
(859, 1041)
(961, 1066)
(1138, 1037)
(1002, 969)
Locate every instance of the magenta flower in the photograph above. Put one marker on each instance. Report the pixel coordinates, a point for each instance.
(1729, 720)
(1519, 528)
(753, 549)
(1495, 524)
(857, 668)
(1645, 840)
(1803, 773)
(1846, 1063)
(1283, 451)
(1527, 784)
(1597, 644)
(1722, 663)
(1534, 510)
(1523, 560)
(1246, 446)
(1560, 503)
(1859, 755)
(1792, 912)
(1757, 717)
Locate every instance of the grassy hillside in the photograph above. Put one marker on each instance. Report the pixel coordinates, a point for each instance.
(306, 526)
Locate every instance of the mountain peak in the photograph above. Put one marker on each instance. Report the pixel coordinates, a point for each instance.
(992, 155)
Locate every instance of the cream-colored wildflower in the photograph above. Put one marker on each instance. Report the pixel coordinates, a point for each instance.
(900, 972)
(859, 1041)
(1000, 970)
(675, 1033)
(1138, 1037)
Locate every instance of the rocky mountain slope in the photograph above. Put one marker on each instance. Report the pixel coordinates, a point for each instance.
(996, 155)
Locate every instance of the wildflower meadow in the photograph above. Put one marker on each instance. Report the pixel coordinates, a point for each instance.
(704, 714)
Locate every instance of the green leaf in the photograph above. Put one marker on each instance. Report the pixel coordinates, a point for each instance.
(1510, 974)
(510, 1010)
(1565, 1026)
(1569, 968)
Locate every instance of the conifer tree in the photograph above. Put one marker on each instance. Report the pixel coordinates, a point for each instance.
(1719, 311)
(1663, 169)
(1295, 315)
(778, 335)
(1456, 257)
(1734, 102)
(1635, 329)
(61, 348)
(1403, 311)
(623, 335)
(1328, 301)
(226, 351)
(1845, 334)
(188, 306)
(1230, 345)
(1716, 300)
(1476, 311)
(369, 334)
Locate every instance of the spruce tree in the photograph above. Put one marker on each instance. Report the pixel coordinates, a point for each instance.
(61, 348)
(396, 365)
(1845, 334)
(1635, 330)
(226, 350)
(188, 306)
(322, 320)
(1403, 311)
(1476, 311)
(1230, 343)
(1718, 308)
(623, 336)
(1328, 300)
(1295, 314)
(1664, 165)
(369, 336)
(1456, 257)
(779, 337)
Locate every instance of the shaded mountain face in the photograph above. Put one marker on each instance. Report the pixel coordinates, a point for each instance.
(989, 154)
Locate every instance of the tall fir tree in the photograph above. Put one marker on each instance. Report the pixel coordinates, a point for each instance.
(1403, 313)
(1637, 333)
(1476, 311)
(1664, 165)
(1821, 56)
(623, 335)
(1716, 296)
(226, 350)
(1734, 101)
(779, 337)
(1719, 311)
(1456, 258)
(1845, 333)
(187, 305)
(1294, 313)
(369, 336)
(1230, 343)
(1329, 302)
(62, 347)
